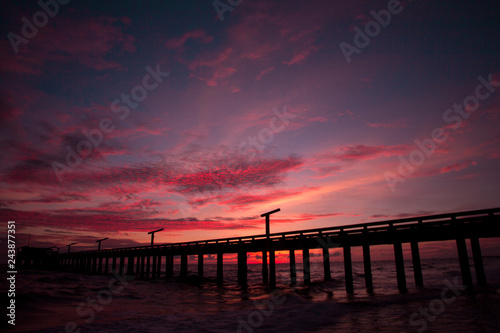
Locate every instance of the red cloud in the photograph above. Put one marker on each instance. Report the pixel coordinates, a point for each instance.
(458, 166)
(93, 221)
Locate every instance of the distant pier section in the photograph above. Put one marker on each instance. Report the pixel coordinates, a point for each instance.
(157, 261)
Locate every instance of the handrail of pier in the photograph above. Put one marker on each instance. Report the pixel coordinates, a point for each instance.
(452, 217)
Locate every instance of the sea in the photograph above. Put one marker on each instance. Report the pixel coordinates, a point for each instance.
(54, 301)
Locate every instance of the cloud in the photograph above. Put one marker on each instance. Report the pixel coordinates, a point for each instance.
(302, 55)
(49, 199)
(240, 201)
(402, 215)
(457, 166)
(364, 152)
(264, 72)
(106, 222)
(89, 41)
(198, 34)
(493, 155)
(317, 119)
(399, 123)
(217, 179)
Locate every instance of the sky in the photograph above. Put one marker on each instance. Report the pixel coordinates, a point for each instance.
(122, 117)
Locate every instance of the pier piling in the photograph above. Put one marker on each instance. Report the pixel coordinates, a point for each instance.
(417, 267)
(400, 267)
(306, 266)
(478, 262)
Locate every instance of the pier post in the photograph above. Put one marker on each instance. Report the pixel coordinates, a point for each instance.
(293, 268)
(349, 282)
(138, 266)
(184, 265)
(143, 262)
(242, 266)
(478, 261)
(122, 265)
(158, 269)
(81, 265)
(94, 264)
(113, 265)
(169, 265)
(148, 265)
(306, 266)
(89, 264)
(200, 265)
(417, 267)
(400, 266)
(367, 263)
(220, 270)
(326, 262)
(130, 268)
(265, 273)
(153, 271)
(463, 257)
(106, 267)
(272, 266)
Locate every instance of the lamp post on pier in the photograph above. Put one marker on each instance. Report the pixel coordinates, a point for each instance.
(272, 258)
(267, 220)
(69, 246)
(99, 241)
(153, 235)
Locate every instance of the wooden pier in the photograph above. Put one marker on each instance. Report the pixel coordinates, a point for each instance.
(146, 261)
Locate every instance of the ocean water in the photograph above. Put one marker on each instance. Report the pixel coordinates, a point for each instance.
(69, 302)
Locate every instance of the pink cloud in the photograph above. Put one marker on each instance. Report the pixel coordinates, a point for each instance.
(364, 152)
(493, 155)
(198, 34)
(264, 72)
(457, 166)
(400, 123)
(301, 55)
(317, 119)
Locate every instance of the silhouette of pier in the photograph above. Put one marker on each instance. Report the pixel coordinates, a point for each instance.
(146, 261)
